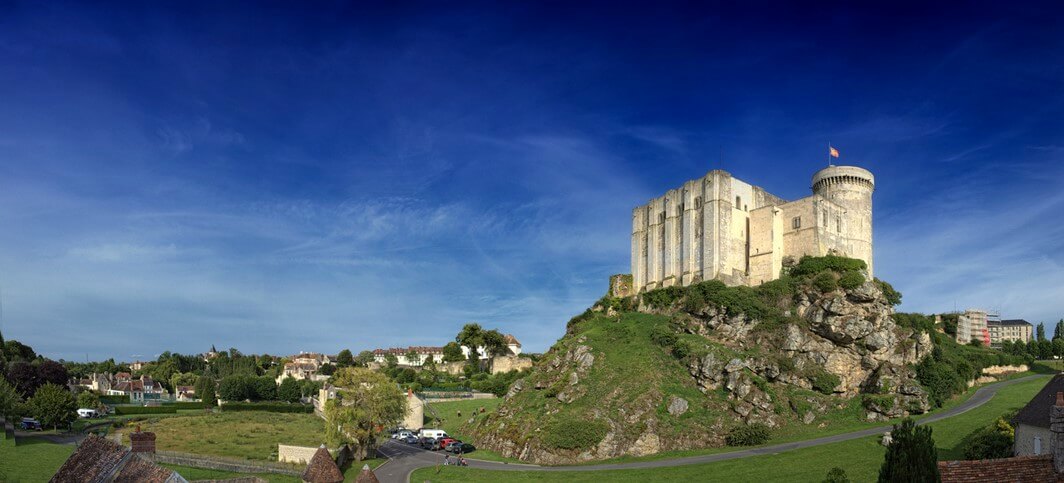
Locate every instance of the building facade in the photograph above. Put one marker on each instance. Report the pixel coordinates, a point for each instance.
(1012, 330)
(972, 325)
(719, 227)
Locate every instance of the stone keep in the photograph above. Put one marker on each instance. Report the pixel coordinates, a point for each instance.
(719, 227)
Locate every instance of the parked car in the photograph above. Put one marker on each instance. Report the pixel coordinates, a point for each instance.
(446, 441)
(435, 444)
(461, 448)
(403, 434)
(453, 446)
(30, 424)
(432, 433)
(425, 442)
(410, 439)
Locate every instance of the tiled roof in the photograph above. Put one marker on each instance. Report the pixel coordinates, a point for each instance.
(1036, 412)
(1020, 469)
(100, 459)
(1014, 322)
(366, 476)
(511, 340)
(322, 468)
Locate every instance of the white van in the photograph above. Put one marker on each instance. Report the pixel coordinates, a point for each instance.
(87, 413)
(432, 433)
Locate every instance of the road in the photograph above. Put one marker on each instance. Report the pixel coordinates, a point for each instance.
(404, 459)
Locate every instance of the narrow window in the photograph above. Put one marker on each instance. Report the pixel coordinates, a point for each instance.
(745, 208)
(796, 222)
(698, 203)
(838, 224)
(825, 218)
(1037, 445)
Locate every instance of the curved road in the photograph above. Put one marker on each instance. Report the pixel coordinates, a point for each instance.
(404, 459)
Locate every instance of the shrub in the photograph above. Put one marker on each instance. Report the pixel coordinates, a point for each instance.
(989, 442)
(893, 296)
(123, 410)
(188, 405)
(911, 456)
(574, 434)
(682, 349)
(748, 435)
(663, 336)
(273, 407)
(823, 381)
(916, 322)
(114, 399)
(851, 280)
(809, 266)
(663, 297)
(825, 282)
(837, 475)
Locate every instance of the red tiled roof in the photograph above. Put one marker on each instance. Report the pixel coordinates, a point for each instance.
(322, 468)
(99, 459)
(1020, 469)
(511, 340)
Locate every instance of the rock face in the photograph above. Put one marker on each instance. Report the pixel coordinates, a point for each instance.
(825, 350)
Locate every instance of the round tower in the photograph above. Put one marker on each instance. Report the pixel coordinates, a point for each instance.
(851, 188)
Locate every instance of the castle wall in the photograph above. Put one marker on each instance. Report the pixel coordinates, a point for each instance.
(639, 247)
(766, 244)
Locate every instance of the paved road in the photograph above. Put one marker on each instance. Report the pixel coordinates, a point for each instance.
(404, 459)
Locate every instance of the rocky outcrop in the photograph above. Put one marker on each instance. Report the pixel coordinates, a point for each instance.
(816, 355)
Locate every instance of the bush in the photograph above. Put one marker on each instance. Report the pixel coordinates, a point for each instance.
(823, 381)
(123, 410)
(574, 434)
(989, 442)
(273, 407)
(916, 322)
(809, 266)
(188, 405)
(663, 336)
(825, 282)
(837, 475)
(893, 296)
(749, 435)
(851, 280)
(114, 399)
(681, 349)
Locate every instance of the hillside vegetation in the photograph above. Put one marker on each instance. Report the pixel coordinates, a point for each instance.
(710, 365)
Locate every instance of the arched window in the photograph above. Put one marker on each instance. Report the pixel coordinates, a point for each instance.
(738, 202)
(698, 203)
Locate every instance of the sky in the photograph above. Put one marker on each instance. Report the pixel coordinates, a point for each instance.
(313, 176)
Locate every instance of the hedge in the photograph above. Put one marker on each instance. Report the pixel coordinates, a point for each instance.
(123, 410)
(270, 407)
(188, 405)
(117, 399)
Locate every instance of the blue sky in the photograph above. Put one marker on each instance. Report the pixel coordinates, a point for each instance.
(317, 177)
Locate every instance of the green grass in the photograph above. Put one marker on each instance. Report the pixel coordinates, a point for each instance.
(453, 424)
(32, 460)
(248, 435)
(860, 458)
(192, 474)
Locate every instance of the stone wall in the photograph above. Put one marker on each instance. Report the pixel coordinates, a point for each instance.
(295, 454)
(510, 363)
(215, 463)
(1025, 440)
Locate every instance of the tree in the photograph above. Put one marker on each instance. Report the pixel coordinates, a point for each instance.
(412, 357)
(452, 352)
(236, 388)
(1058, 330)
(50, 371)
(265, 388)
(10, 401)
(1019, 348)
(183, 379)
(205, 390)
(289, 390)
(1045, 349)
(15, 350)
(344, 358)
(494, 343)
(390, 360)
(366, 402)
(88, 399)
(471, 336)
(24, 377)
(327, 369)
(1058, 347)
(53, 406)
(1041, 331)
(911, 455)
(364, 358)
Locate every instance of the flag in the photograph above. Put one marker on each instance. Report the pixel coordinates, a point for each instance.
(833, 152)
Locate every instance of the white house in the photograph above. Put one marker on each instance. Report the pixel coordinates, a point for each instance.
(423, 355)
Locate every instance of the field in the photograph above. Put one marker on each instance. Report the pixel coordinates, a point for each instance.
(859, 458)
(247, 435)
(31, 461)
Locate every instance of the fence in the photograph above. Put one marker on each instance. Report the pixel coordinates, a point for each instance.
(225, 464)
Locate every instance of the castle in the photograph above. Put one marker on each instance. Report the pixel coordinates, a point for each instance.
(719, 227)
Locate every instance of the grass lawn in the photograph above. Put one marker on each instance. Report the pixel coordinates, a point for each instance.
(252, 435)
(859, 458)
(452, 423)
(32, 460)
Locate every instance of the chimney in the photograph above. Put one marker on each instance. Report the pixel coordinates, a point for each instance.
(1056, 426)
(144, 442)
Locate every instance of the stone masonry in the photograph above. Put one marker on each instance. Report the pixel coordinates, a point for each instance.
(719, 227)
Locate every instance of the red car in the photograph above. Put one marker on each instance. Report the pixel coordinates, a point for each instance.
(446, 441)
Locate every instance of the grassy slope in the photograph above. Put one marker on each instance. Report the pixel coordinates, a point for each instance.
(453, 424)
(860, 458)
(252, 435)
(31, 461)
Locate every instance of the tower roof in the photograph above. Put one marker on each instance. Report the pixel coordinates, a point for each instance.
(840, 171)
(322, 468)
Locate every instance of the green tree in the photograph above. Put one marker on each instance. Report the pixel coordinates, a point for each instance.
(471, 336)
(1058, 330)
(366, 402)
(911, 456)
(1041, 331)
(494, 343)
(1058, 347)
(289, 390)
(53, 406)
(10, 402)
(327, 369)
(15, 350)
(391, 361)
(183, 379)
(344, 358)
(452, 352)
(205, 390)
(88, 400)
(236, 388)
(364, 358)
(265, 388)
(412, 357)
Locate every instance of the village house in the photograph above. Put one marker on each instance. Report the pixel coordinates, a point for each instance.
(138, 390)
(512, 345)
(1039, 446)
(100, 383)
(185, 393)
(425, 354)
(305, 366)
